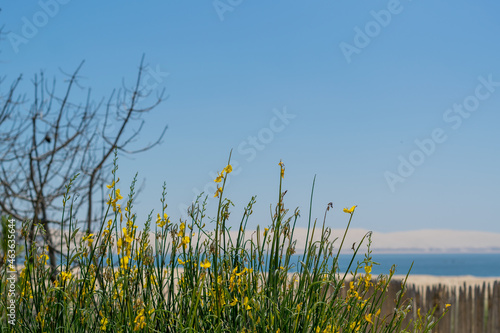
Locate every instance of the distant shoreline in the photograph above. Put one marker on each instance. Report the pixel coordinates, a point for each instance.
(425, 280)
(434, 251)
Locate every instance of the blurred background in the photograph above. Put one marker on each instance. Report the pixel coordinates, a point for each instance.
(392, 105)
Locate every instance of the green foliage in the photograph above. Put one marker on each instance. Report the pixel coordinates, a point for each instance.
(6, 230)
(198, 276)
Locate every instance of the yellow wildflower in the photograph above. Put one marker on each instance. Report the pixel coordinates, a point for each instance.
(350, 211)
(205, 264)
(124, 262)
(65, 276)
(182, 227)
(219, 177)
(39, 318)
(89, 238)
(368, 318)
(185, 241)
(127, 235)
(119, 244)
(228, 169)
(118, 196)
(104, 322)
(245, 303)
(329, 329)
(161, 222)
(219, 191)
(282, 165)
(355, 326)
(140, 320)
(447, 306)
(43, 259)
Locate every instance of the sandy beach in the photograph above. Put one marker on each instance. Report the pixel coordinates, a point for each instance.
(449, 281)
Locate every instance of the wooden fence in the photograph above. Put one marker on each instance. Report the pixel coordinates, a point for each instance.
(474, 309)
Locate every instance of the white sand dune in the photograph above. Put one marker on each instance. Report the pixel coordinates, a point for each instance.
(449, 281)
(416, 241)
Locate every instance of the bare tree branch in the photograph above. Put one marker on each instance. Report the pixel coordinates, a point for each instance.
(48, 139)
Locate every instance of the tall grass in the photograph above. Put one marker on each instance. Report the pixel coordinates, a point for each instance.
(197, 276)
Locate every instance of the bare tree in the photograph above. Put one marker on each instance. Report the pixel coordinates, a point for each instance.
(56, 134)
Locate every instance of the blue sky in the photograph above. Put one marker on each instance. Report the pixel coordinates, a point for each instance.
(353, 116)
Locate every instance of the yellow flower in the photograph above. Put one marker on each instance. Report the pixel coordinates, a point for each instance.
(219, 190)
(329, 329)
(180, 261)
(89, 239)
(112, 184)
(119, 244)
(140, 320)
(104, 322)
(39, 318)
(355, 326)
(240, 273)
(378, 312)
(161, 223)
(265, 231)
(205, 264)
(219, 177)
(282, 165)
(350, 211)
(234, 302)
(118, 196)
(127, 236)
(447, 306)
(368, 318)
(228, 169)
(181, 227)
(124, 262)
(245, 303)
(43, 258)
(185, 241)
(65, 276)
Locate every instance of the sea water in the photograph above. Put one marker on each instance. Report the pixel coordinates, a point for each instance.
(481, 265)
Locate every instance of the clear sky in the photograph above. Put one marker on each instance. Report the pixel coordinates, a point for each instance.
(394, 105)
